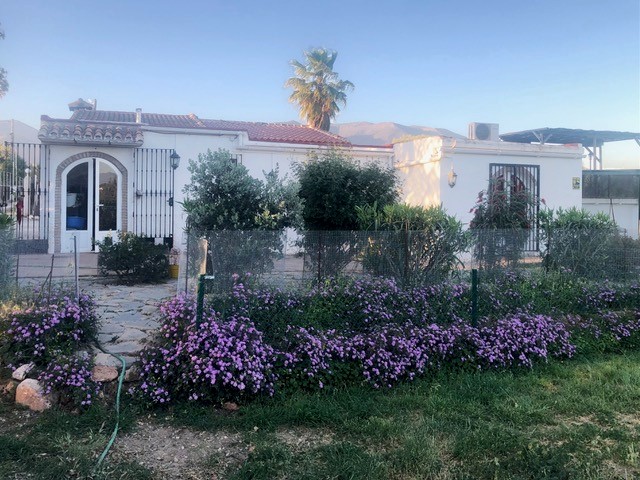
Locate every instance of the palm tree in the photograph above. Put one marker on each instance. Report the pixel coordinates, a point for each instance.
(317, 89)
(4, 85)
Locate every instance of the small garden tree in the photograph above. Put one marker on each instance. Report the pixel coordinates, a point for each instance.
(6, 253)
(242, 217)
(582, 243)
(332, 185)
(413, 244)
(503, 219)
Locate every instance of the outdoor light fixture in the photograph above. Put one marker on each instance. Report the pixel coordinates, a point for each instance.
(452, 178)
(175, 160)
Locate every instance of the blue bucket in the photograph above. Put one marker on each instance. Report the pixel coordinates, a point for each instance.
(76, 223)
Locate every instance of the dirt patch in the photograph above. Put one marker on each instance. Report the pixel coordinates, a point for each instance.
(180, 453)
(629, 420)
(15, 420)
(304, 438)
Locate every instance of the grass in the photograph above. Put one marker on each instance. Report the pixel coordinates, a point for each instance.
(579, 419)
(59, 445)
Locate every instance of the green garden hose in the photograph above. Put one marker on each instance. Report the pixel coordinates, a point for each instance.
(115, 430)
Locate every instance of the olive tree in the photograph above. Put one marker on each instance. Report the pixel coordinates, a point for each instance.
(241, 217)
(332, 186)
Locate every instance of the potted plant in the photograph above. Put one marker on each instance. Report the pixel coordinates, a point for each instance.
(174, 268)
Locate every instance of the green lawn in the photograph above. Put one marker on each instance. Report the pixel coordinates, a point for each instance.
(573, 420)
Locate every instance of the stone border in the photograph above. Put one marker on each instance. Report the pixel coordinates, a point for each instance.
(57, 227)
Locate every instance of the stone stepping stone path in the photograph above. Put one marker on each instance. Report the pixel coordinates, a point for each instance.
(128, 316)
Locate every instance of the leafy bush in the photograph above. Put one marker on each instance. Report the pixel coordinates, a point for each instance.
(242, 217)
(46, 327)
(502, 222)
(413, 244)
(577, 241)
(133, 259)
(6, 252)
(332, 185)
(218, 358)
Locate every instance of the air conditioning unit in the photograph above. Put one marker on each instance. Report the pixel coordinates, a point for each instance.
(484, 131)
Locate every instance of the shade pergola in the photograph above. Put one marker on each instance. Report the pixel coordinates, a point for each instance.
(592, 140)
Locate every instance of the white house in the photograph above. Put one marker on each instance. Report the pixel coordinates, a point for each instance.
(442, 170)
(99, 172)
(615, 193)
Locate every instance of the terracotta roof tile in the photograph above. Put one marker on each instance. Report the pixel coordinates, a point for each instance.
(96, 125)
(279, 132)
(151, 119)
(68, 131)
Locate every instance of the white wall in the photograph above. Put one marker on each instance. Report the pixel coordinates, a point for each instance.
(623, 211)
(256, 156)
(424, 164)
(419, 171)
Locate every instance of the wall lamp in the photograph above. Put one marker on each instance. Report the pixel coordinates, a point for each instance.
(452, 178)
(175, 160)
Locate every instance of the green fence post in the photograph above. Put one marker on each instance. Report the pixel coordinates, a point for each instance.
(474, 297)
(200, 305)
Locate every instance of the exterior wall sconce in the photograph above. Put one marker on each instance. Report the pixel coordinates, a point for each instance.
(175, 160)
(452, 178)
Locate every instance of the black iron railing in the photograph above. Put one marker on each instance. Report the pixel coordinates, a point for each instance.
(153, 186)
(512, 179)
(24, 187)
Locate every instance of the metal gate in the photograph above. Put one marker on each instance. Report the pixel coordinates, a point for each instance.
(24, 188)
(512, 179)
(153, 184)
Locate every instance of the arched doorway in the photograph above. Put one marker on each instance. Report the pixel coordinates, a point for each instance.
(91, 203)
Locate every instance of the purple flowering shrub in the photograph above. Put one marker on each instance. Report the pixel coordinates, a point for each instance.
(520, 340)
(372, 332)
(309, 359)
(219, 358)
(42, 329)
(70, 376)
(553, 293)
(606, 331)
(354, 305)
(49, 331)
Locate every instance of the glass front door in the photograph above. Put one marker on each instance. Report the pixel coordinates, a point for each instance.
(93, 189)
(106, 200)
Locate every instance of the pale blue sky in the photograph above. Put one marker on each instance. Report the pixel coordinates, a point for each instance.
(439, 63)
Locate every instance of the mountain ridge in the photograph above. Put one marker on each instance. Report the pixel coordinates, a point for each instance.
(385, 133)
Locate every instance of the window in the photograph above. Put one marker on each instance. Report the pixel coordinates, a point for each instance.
(510, 180)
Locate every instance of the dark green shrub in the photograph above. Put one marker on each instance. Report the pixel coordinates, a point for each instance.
(413, 244)
(241, 217)
(133, 259)
(332, 185)
(502, 222)
(6, 251)
(625, 258)
(579, 242)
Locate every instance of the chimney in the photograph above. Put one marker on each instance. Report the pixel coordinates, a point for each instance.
(81, 104)
(138, 115)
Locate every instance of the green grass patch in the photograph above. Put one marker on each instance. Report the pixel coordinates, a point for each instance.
(61, 445)
(577, 419)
